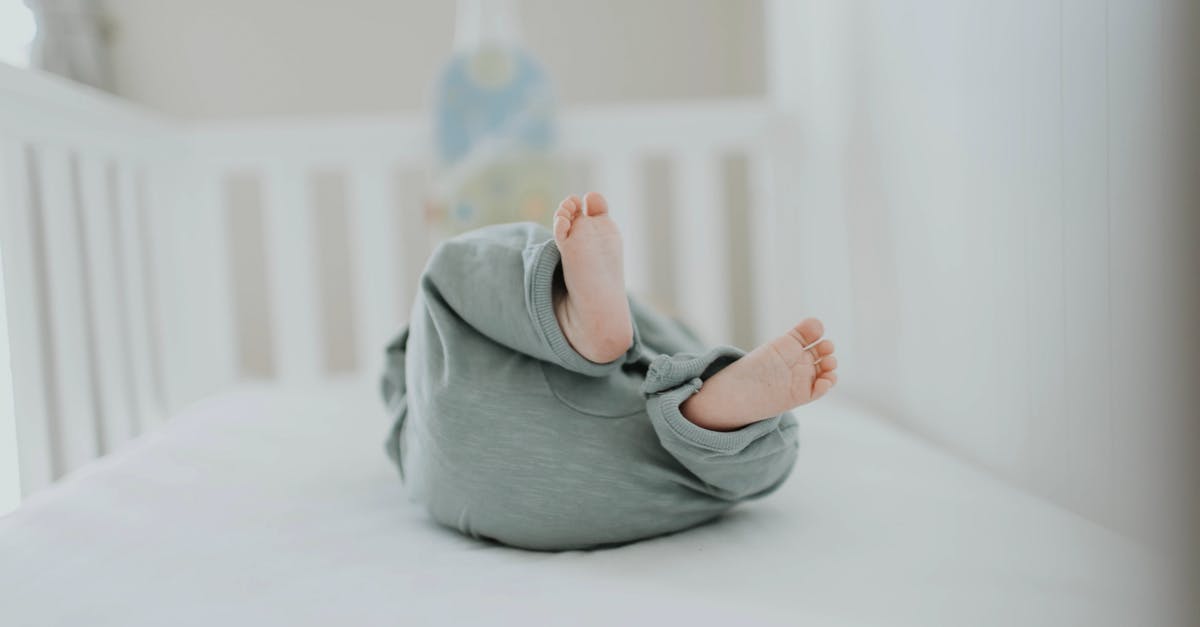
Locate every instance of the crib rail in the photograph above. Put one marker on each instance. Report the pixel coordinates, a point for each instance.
(148, 262)
(78, 176)
(678, 179)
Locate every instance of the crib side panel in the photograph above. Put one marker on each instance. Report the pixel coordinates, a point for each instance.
(337, 210)
(82, 359)
(147, 264)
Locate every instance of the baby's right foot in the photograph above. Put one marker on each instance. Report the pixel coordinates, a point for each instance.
(791, 370)
(594, 312)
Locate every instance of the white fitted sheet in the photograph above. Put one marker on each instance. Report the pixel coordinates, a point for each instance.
(272, 507)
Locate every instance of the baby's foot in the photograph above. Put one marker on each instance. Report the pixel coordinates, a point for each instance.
(791, 370)
(594, 312)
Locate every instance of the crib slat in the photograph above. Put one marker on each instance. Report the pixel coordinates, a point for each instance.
(620, 179)
(1047, 430)
(203, 251)
(148, 280)
(699, 227)
(132, 276)
(291, 275)
(117, 424)
(75, 423)
(1087, 249)
(26, 326)
(763, 249)
(378, 262)
(165, 198)
(415, 238)
(10, 461)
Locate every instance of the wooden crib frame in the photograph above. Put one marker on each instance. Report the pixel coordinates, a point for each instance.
(120, 277)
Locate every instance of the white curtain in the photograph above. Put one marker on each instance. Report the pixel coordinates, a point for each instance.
(71, 40)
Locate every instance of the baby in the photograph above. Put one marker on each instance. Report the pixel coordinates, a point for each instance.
(537, 405)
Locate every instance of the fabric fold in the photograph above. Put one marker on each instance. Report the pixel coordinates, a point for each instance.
(672, 379)
(543, 261)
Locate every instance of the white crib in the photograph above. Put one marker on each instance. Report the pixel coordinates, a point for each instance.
(149, 262)
(228, 288)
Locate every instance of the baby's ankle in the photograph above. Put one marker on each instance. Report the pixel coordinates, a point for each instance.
(598, 346)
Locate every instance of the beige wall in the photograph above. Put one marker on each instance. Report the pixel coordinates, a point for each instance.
(232, 58)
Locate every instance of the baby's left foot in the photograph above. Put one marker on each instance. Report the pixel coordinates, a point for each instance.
(594, 312)
(793, 369)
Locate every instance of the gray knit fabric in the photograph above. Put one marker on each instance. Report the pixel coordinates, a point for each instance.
(503, 431)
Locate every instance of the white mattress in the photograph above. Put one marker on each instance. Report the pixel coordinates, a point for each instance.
(279, 508)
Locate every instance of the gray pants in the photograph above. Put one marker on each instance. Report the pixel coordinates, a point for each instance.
(503, 431)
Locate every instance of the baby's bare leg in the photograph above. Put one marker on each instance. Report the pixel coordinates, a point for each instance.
(594, 310)
(793, 369)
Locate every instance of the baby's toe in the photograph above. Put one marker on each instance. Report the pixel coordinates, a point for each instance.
(809, 332)
(569, 208)
(567, 211)
(594, 204)
(562, 227)
(823, 385)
